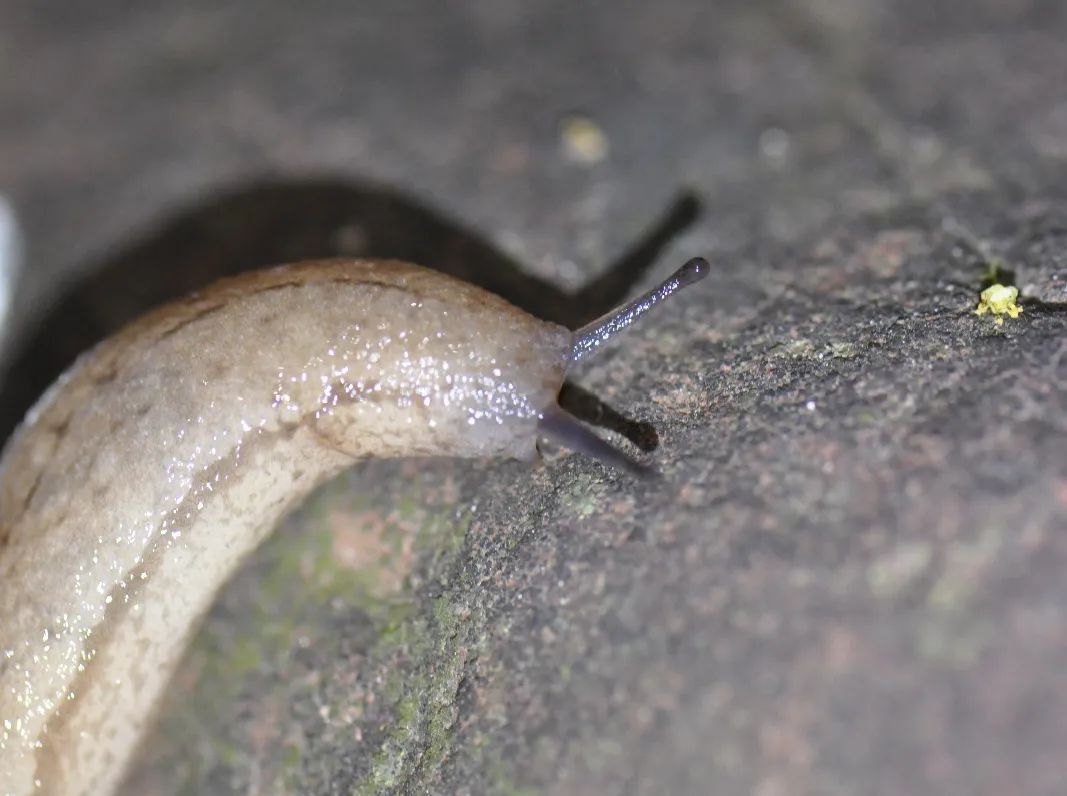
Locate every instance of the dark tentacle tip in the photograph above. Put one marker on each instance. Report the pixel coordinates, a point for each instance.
(693, 270)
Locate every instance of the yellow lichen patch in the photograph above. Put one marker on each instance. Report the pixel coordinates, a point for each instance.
(999, 300)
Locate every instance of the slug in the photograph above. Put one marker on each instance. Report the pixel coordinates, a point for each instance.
(149, 471)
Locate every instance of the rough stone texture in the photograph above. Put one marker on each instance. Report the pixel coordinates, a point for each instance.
(850, 578)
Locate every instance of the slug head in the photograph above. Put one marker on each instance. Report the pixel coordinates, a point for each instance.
(418, 363)
(446, 368)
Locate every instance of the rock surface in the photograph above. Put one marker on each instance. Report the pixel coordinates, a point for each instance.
(850, 578)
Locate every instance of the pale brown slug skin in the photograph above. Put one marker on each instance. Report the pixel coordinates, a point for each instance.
(165, 455)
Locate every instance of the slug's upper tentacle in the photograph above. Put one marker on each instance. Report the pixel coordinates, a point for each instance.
(590, 337)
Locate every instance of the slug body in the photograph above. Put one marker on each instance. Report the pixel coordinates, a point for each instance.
(164, 456)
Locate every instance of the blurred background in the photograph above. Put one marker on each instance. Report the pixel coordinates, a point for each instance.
(850, 581)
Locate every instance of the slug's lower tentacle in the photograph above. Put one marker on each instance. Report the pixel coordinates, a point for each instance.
(568, 431)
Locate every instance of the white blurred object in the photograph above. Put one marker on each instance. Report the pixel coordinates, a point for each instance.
(10, 262)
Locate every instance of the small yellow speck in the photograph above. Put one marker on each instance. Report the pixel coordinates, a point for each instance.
(583, 140)
(999, 300)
